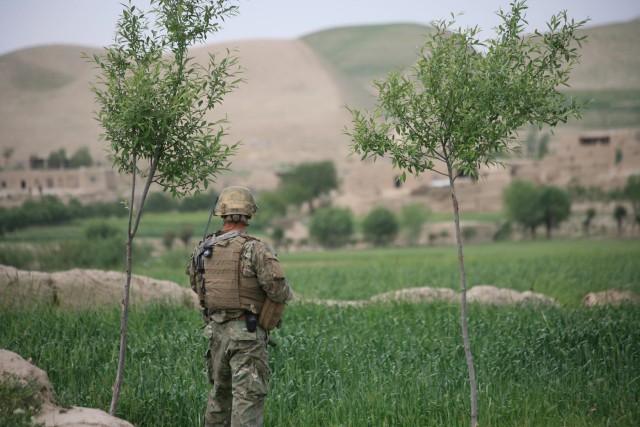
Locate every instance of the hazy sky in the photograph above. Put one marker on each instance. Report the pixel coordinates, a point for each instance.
(26, 23)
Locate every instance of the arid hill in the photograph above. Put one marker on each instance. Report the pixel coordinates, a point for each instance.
(292, 107)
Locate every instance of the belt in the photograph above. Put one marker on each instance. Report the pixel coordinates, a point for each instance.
(243, 316)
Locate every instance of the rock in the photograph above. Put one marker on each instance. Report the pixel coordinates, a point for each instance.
(610, 297)
(80, 288)
(12, 364)
(487, 294)
(419, 295)
(76, 416)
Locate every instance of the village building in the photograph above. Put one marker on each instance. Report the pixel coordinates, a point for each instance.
(82, 183)
(602, 159)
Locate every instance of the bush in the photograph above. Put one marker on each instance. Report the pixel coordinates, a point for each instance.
(50, 210)
(332, 227)
(413, 218)
(199, 202)
(160, 202)
(103, 254)
(18, 402)
(185, 234)
(503, 232)
(380, 227)
(469, 233)
(17, 257)
(100, 230)
(167, 239)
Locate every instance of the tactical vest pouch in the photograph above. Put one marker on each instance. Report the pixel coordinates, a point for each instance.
(271, 314)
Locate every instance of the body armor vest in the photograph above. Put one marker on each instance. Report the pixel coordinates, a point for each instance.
(224, 287)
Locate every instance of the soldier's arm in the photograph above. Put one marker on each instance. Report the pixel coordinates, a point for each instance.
(270, 274)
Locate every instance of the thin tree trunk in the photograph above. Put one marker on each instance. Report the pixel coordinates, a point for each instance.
(131, 233)
(463, 305)
(125, 299)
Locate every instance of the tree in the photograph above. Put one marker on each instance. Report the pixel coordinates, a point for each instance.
(81, 158)
(332, 227)
(413, 217)
(632, 193)
(308, 181)
(153, 99)
(185, 234)
(586, 224)
(7, 152)
(380, 226)
(57, 159)
(462, 104)
(522, 204)
(198, 202)
(272, 204)
(556, 207)
(537, 148)
(619, 213)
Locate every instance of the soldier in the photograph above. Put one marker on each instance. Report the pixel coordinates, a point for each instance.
(242, 289)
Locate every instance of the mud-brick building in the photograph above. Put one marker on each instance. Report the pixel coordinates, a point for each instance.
(602, 159)
(17, 185)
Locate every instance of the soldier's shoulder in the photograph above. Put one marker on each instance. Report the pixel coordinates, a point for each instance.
(257, 245)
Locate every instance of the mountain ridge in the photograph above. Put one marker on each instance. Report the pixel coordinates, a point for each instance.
(292, 108)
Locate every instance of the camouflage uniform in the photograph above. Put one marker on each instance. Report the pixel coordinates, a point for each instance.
(238, 360)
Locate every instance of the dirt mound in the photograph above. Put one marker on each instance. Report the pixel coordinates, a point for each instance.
(79, 288)
(12, 364)
(610, 297)
(482, 294)
(487, 294)
(419, 295)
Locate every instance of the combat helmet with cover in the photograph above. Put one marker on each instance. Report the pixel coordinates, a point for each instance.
(235, 202)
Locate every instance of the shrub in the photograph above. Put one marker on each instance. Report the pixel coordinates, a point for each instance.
(185, 234)
(332, 227)
(19, 258)
(380, 227)
(160, 202)
(413, 218)
(503, 232)
(198, 202)
(167, 238)
(469, 233)
(100, 230)
(18, 402)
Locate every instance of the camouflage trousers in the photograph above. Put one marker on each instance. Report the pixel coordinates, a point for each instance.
(238, 369)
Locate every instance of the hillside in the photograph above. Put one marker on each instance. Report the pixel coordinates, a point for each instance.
(46, 103)
(365, 53)
(291, 108)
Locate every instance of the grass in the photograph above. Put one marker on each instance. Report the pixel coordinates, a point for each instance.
(386, 364)
(393, 364)
(18, 402)
(566, 269)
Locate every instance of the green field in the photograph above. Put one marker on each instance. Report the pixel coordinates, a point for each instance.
(395, 364)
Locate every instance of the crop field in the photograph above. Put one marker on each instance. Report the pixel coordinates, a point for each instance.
(379, 364)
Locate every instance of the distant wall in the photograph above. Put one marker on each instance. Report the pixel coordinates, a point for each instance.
(16, 185)
(602, 159)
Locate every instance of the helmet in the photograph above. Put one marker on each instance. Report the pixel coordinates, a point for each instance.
(235, 200)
